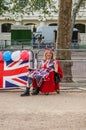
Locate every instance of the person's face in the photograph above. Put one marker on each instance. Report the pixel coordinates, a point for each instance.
(49, 55)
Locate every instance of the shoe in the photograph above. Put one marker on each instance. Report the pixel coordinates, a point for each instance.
(26, 92)
(35, 91)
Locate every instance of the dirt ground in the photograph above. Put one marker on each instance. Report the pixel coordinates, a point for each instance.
(64, 111)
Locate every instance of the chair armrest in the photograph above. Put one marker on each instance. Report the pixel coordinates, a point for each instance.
(31, 69)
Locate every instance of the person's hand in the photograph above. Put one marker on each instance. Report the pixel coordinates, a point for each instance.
(52, 70)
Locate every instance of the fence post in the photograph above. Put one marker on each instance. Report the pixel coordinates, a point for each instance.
(5, 43)
(35, 61)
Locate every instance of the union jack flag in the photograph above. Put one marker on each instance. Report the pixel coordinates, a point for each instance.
(13, 74)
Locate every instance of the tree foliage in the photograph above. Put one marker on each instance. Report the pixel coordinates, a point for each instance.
(75, 9)
(21, 7)
(3, 6)
(44, 8)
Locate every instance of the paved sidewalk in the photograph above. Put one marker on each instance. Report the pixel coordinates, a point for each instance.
(64, 111)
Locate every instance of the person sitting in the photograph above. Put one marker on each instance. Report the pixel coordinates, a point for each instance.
(41, 74)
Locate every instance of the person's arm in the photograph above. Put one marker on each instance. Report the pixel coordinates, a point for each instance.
(56, 67)
(40, 66)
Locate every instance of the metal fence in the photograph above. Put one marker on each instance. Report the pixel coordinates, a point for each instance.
(78, 59)
(23, 44)
(78, 68)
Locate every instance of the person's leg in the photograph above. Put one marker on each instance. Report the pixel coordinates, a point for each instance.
(38, 80)
(27, 91)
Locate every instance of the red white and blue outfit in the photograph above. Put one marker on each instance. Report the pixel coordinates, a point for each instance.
(43, 73)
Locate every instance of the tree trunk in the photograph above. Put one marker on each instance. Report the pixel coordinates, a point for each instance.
(74, 13)
(64, 38)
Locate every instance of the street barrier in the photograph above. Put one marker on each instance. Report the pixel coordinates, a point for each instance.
(14, 66)
(77, 61)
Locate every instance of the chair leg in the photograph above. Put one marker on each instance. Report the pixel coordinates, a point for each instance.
(35, 91)
(47, 93)
(58, 91)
